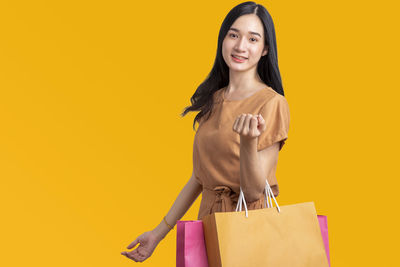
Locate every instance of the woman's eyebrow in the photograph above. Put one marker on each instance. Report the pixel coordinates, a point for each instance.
(236, 30)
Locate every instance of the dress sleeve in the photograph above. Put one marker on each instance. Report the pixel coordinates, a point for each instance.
(277, 117)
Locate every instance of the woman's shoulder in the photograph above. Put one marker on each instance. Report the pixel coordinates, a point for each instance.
(270, 92)
(262, 97)
(217, 97)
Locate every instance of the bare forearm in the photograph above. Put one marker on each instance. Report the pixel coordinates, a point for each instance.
(252, 178)
(183, 202)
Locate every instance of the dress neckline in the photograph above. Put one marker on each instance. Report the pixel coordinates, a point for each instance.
(238, 100)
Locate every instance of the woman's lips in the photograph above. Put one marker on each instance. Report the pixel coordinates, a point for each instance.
(238, 60)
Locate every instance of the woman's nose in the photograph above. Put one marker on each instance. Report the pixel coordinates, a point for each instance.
(240, 45)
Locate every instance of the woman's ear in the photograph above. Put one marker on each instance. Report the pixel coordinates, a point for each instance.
(265, 51)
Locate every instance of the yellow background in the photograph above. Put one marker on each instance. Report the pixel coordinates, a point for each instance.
(93, 151)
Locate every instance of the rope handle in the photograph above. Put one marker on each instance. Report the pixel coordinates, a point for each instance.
(267, 202)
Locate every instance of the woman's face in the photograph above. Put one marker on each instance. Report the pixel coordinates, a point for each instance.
(246, 39)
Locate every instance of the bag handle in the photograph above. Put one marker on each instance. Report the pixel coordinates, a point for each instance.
(268, 201)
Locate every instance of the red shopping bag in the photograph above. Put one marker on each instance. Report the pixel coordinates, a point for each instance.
(190, 244)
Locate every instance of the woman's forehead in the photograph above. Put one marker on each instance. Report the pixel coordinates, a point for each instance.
(248, 24)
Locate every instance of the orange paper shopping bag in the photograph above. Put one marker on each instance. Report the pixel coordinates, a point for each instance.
(281, 236)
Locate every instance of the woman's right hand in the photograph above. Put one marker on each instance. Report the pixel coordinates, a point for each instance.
(148, 242)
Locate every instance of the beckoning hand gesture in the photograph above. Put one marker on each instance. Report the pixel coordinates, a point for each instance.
(249, 126)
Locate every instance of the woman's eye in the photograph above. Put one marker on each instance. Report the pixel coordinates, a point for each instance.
(252, 39)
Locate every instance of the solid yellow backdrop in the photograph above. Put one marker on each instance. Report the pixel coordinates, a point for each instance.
(93, 151)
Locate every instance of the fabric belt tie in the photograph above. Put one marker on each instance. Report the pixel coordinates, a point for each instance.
(225, 199)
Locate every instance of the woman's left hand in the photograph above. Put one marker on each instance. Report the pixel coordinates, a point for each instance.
(249, 126)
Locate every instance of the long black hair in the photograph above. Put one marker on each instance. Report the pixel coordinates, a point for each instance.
(218, 78)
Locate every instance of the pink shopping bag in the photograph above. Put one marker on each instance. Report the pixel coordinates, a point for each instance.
(190, 244)
(323, 224)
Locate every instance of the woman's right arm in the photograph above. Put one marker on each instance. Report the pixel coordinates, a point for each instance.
(183, 202)
(149, 240)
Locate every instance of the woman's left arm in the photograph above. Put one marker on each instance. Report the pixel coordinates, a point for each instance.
(255, 167)
(260, 145)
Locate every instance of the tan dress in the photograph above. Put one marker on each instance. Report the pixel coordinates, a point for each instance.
(216, 147)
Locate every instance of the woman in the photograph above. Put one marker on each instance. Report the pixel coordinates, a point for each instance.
(243, 124)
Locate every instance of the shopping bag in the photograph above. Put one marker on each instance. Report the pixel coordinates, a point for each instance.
(284, 236)
(323, 224)
(190, 244)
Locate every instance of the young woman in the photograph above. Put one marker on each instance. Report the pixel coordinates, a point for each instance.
(243, 124)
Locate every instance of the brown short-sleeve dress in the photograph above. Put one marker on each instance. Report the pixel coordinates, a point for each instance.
(216, 147)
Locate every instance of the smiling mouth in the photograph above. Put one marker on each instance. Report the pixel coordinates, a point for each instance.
(240, 58)
(237, 59)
